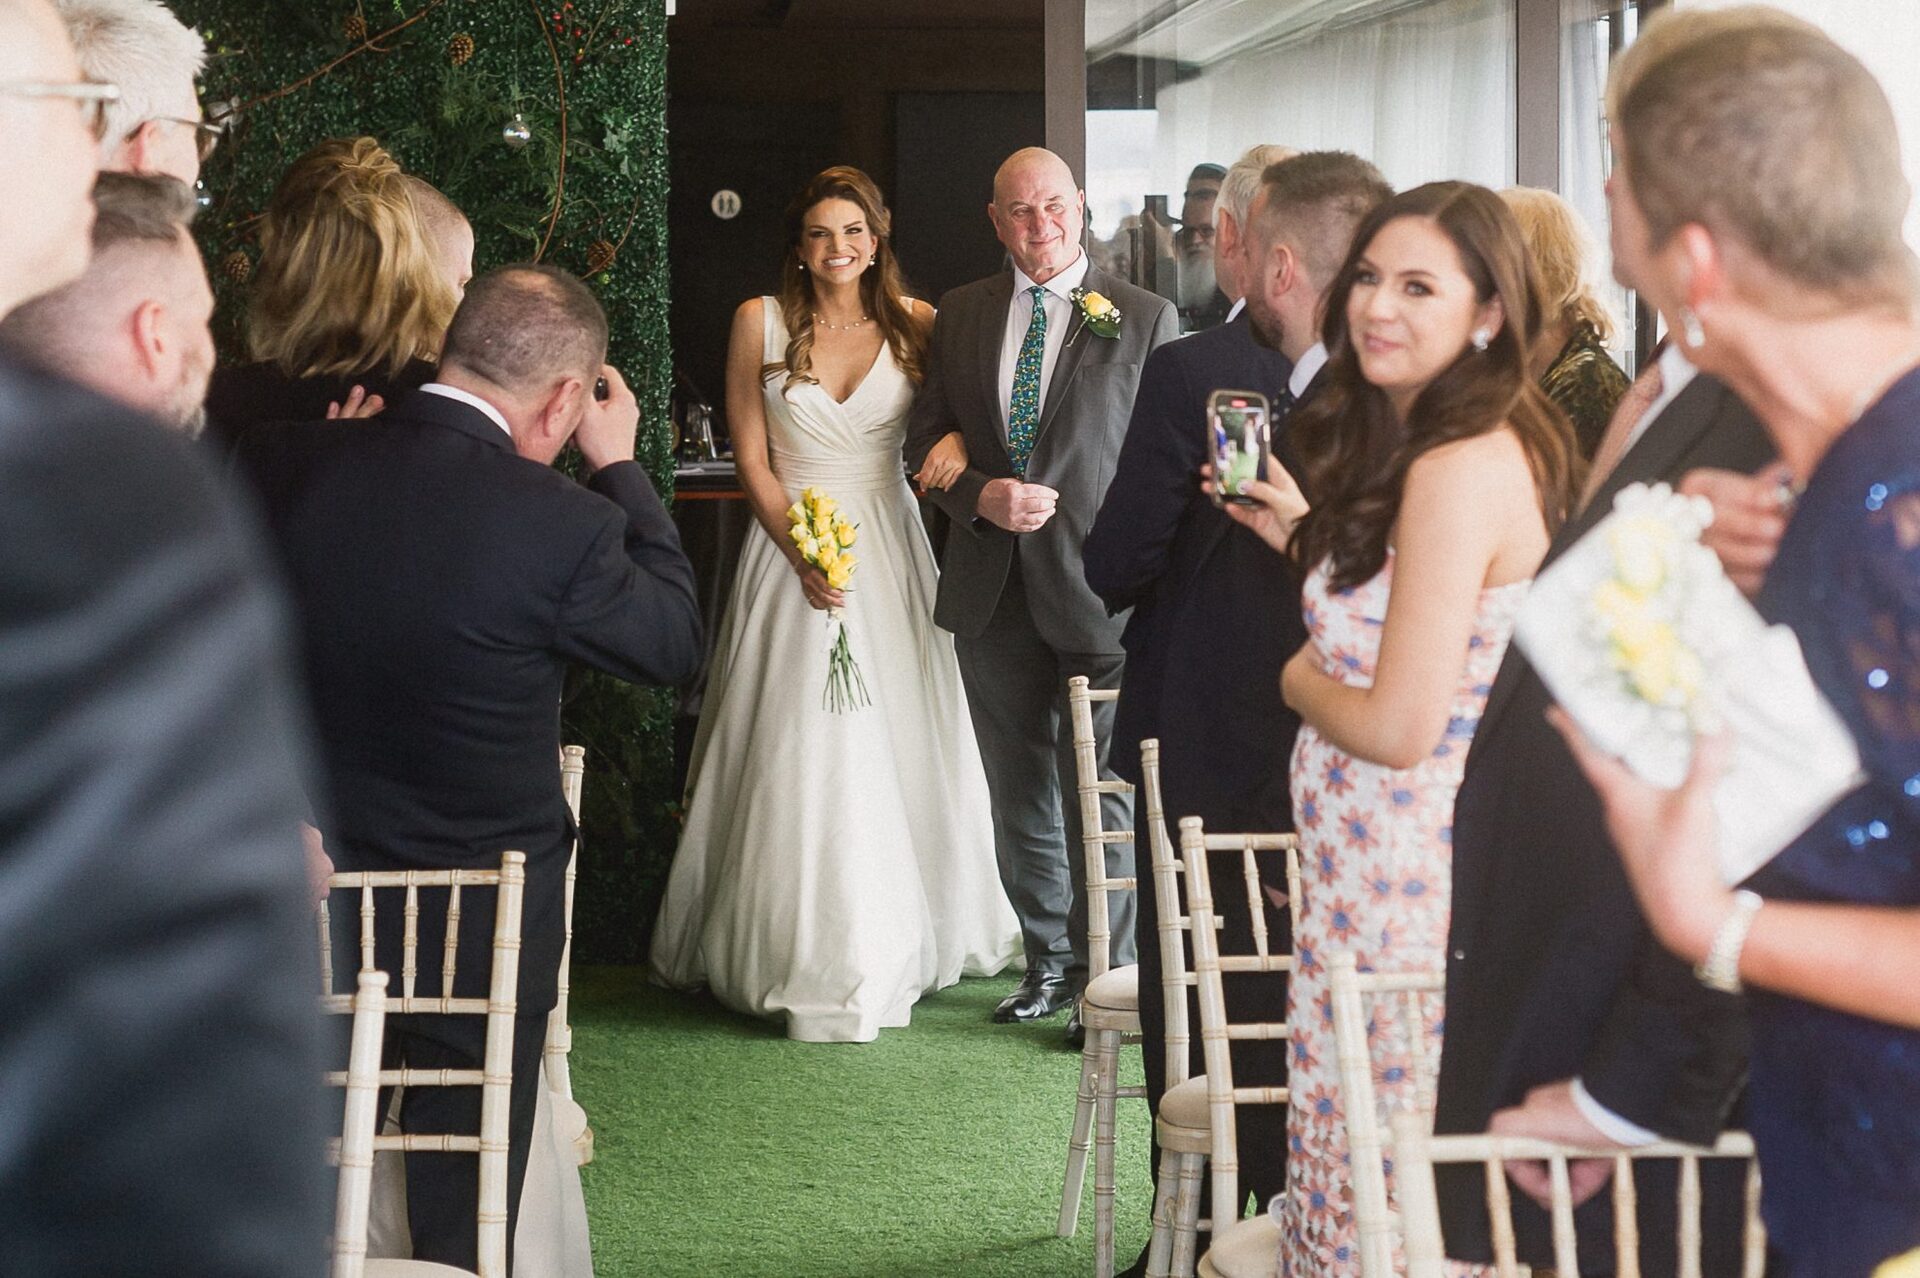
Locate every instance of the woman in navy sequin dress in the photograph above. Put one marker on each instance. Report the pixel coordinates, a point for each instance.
(1759, 195)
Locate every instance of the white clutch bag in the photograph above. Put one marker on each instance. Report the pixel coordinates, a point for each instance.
(1640, 636)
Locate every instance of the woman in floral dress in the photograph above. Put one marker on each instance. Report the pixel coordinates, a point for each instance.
(1438, 472)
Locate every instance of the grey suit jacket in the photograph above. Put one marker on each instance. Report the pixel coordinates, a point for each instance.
(1083, 422)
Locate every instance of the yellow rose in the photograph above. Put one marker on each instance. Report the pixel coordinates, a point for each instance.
(824, 506)
(840, 573)
(799, 534)
(1662, 671)
(809, 549)
(809, 496)
(1640, 553)
(1096, 303)
(822, 528)
(796, 515)
(846, 533)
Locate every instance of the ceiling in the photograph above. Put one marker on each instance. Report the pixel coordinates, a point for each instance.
(1198, 33)
(862, 15)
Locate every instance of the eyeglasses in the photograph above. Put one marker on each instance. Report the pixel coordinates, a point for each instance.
(91, 95)
(206, 133)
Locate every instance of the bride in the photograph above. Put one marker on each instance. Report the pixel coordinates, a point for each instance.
(834, 866)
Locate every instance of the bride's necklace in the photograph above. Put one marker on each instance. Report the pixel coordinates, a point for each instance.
(821, 322)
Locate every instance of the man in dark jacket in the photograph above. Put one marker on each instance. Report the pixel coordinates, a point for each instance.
(446, 575)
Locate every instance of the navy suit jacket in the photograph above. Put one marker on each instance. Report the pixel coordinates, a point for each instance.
(1216, 612)
(443, 584)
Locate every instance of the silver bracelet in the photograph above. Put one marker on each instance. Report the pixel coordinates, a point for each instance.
(1720, 970)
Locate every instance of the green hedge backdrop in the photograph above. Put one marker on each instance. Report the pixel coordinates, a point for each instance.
(546, 123)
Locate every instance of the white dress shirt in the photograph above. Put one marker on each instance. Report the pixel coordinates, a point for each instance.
(1233, 312)
(471, 401)
(1312, 360)
(1059, 303)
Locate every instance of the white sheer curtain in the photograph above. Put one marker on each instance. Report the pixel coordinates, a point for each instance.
(1588, 30)
(1424, 90)
(1885, 35)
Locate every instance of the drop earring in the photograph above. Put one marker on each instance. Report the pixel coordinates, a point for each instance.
(1481, 337)
(1692, 334)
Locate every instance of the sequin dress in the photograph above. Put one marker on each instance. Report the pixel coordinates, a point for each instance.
(1834, 1099)
(1376, 881)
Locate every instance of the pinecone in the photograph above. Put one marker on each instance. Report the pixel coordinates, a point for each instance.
(355, 28)
(237, 266)
(460, 49)
(599, 256)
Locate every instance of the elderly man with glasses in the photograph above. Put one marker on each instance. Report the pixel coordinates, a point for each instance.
(155, 124)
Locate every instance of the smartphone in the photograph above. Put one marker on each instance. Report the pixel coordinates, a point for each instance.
(1237, 433)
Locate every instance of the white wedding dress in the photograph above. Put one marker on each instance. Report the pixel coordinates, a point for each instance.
(835, 867)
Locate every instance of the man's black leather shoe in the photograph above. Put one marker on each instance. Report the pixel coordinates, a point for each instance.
(1076, 1030)
(1039, 995)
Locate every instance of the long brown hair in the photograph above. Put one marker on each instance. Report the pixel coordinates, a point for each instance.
(1356, 453)
(883, 290)
(346, 281)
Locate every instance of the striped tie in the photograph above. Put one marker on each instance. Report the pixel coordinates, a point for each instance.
(1023, 412)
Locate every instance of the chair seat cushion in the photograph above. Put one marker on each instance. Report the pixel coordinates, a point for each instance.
(1245, 1249)
(1115, 990)
(1181, 1124)
(412, 1269)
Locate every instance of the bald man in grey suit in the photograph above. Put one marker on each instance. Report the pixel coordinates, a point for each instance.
(1042, 397)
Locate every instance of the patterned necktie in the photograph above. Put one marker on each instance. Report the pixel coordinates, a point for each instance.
(1023, 411)
(1633, 406)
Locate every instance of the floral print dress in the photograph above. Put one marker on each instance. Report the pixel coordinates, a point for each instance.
(1376, 881)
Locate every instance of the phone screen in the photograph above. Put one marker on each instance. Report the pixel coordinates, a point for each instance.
(1237, 423)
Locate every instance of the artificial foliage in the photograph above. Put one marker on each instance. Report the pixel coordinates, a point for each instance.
(546, 123)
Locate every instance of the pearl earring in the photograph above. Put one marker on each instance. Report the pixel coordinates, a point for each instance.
(1481, 337)
(1692, 334)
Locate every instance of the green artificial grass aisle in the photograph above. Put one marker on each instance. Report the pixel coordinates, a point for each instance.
(720, 1148)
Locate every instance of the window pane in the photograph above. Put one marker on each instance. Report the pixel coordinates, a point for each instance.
(1593, 31)
(1423, 88)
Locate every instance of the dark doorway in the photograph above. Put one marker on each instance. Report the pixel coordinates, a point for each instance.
(926, 98)
(947, 146)
(761, 156)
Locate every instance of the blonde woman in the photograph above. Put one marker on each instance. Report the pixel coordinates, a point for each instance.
(350, 291)
(1570, 355)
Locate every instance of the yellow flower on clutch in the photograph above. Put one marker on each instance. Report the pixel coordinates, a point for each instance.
(1640, 547)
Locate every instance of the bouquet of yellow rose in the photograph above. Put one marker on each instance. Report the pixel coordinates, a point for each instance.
(825, 536)
(1642, 638)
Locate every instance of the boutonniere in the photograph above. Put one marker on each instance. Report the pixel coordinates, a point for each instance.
(1097, 312)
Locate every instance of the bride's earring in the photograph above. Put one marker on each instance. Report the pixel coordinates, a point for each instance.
(1692, 334)
(1481, 337)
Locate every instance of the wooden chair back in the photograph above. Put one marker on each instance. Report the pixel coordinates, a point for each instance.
(1217, 1032)
(495, 1077)
(1405, 1006)
(1094, 840)
(1176, 976)
(573, 771)
(353, 1153)
(1417, 1151)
